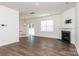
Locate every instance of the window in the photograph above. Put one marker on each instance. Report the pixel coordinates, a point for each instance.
(47, 25)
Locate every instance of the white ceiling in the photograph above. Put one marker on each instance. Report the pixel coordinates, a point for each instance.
(44, 8)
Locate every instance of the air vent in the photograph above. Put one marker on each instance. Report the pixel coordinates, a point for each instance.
(32, 12)
(66, 2)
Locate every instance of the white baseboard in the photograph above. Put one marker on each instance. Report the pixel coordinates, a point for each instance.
(48, 37)
(77, 49)
(23, 36)
(42, 36)
(10, 42)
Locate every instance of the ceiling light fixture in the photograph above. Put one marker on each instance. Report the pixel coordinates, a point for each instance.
(36, 4)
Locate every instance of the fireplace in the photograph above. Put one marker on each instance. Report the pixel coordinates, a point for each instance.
(66, 36)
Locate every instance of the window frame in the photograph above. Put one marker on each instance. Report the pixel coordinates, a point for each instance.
(47, 26)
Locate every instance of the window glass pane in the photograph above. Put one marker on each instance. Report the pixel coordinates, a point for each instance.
(43, 23)
(49, 29)
(47, 25)
(49, 22)
(43, 28)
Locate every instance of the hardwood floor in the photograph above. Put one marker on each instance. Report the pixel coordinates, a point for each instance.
(37, 46)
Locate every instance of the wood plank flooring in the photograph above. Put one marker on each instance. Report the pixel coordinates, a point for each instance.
(38, 46)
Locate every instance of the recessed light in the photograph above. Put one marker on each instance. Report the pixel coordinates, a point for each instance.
(36, 4)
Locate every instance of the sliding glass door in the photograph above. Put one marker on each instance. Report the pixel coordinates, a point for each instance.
(31, 29)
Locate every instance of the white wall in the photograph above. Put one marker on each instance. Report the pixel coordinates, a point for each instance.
(22, 28)
(10, 33)
(77, 27)
(69, 14)
(37, 25)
